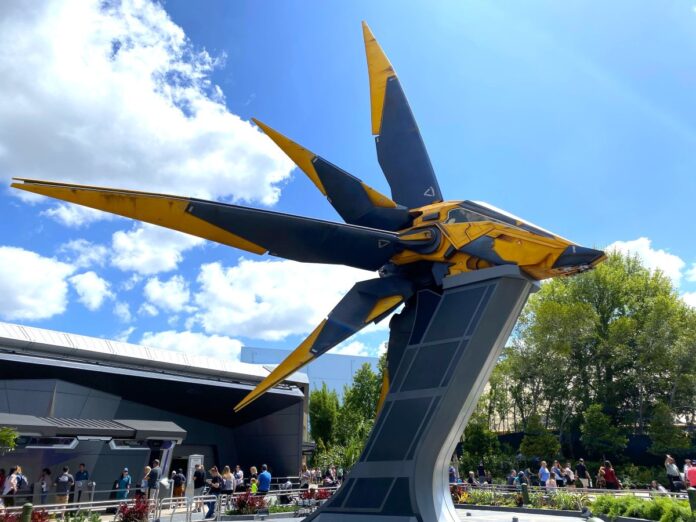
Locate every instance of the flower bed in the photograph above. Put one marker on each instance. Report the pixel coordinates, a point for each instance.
(662, 509)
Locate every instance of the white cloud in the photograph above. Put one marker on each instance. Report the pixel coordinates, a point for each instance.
(171, 295)
(689, 298)
(91, 289)
(32, 286)
(74, 216)
(148, 249)
(130, 283)
(124, 335)
(113, 93)
(84, 254)
(691, 273)
(122, 311)
(148, 309)
(270, 299)
(218, 346)
(351, 348)
(669, 264)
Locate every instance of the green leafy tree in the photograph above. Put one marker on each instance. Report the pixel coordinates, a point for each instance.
(665, 437)
(323, 414)
(538, 441)
(479, 441)
(8, 437)
(363, 394)
(619, 336)
(599, 436)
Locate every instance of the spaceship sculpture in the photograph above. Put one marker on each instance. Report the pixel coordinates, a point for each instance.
(463, 269)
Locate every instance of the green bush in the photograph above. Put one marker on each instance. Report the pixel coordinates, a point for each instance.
(662, 509)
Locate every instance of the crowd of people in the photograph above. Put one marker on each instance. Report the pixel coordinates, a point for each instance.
(15, 482)
(578, 476)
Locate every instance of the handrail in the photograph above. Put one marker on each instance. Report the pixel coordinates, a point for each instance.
(503, 488)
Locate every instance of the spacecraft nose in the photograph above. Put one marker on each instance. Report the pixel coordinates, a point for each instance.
(576, 255)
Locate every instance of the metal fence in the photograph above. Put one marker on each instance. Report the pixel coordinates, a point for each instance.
(181, 509)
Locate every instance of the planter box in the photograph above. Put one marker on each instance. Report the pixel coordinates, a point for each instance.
(536, 511)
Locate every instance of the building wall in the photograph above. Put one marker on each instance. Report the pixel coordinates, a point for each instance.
(275, 439)
(333, 369)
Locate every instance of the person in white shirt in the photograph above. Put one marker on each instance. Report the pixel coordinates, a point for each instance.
(238, 479)
(569, 475)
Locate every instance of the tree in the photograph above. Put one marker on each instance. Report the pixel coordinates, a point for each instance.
(323, 413)
(599, 436)
(8, 437)
(538, 441)
(665, 437)
(479, 441)
(618, 335)
(362, 396)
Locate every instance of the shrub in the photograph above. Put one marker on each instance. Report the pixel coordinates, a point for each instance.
(249, 504)
(662, 509)
(139, 511)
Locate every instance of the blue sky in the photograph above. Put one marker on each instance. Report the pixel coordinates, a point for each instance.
(577, 116)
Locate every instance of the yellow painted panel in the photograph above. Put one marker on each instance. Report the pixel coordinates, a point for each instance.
(158, 209)
(383, 305)
(377, 199)
(297, 153)
(379, 70)
(293, 362)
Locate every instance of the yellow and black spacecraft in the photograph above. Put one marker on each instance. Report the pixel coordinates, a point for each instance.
(413, 238)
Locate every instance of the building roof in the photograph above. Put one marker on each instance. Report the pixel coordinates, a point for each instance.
(122, 429)
(28, 340)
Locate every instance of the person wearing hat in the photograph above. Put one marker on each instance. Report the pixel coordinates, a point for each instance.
(123, 484)
(582, 475)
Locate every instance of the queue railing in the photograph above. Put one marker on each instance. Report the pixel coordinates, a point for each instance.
(189, 509)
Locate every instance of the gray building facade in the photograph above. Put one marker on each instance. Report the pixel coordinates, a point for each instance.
(113, 405)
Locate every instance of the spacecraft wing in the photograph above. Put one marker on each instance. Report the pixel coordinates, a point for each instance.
(368, 301)
(356, 202)
(258, 231)
(400, 148)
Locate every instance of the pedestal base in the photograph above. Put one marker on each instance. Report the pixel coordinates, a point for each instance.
(442, 349)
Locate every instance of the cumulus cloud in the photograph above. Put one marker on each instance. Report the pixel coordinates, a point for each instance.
(148, 249)
(74, 216)
(218, 346)
(269, 299)
(689, 298)
(691, 273)
(32, 286)
(351, 348)
(171, 295)
(670, 264)
(91, 289)
(122, 311)
(113, 93)
(84, 254)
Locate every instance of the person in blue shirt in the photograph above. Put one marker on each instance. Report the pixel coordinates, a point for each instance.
(264, 480)
(81, 482)
(544, 474)
(123, 485)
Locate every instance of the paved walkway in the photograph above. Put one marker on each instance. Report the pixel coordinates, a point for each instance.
(501, 516)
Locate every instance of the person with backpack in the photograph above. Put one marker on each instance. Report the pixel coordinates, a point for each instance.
(63, 484)
(179, 483)
(10, 487)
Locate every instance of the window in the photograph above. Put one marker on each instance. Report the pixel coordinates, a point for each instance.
(462, 215)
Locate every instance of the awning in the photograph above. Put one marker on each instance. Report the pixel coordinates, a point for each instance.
(117, 429)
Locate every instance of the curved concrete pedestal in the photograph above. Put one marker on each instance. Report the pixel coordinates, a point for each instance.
(442, 349)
